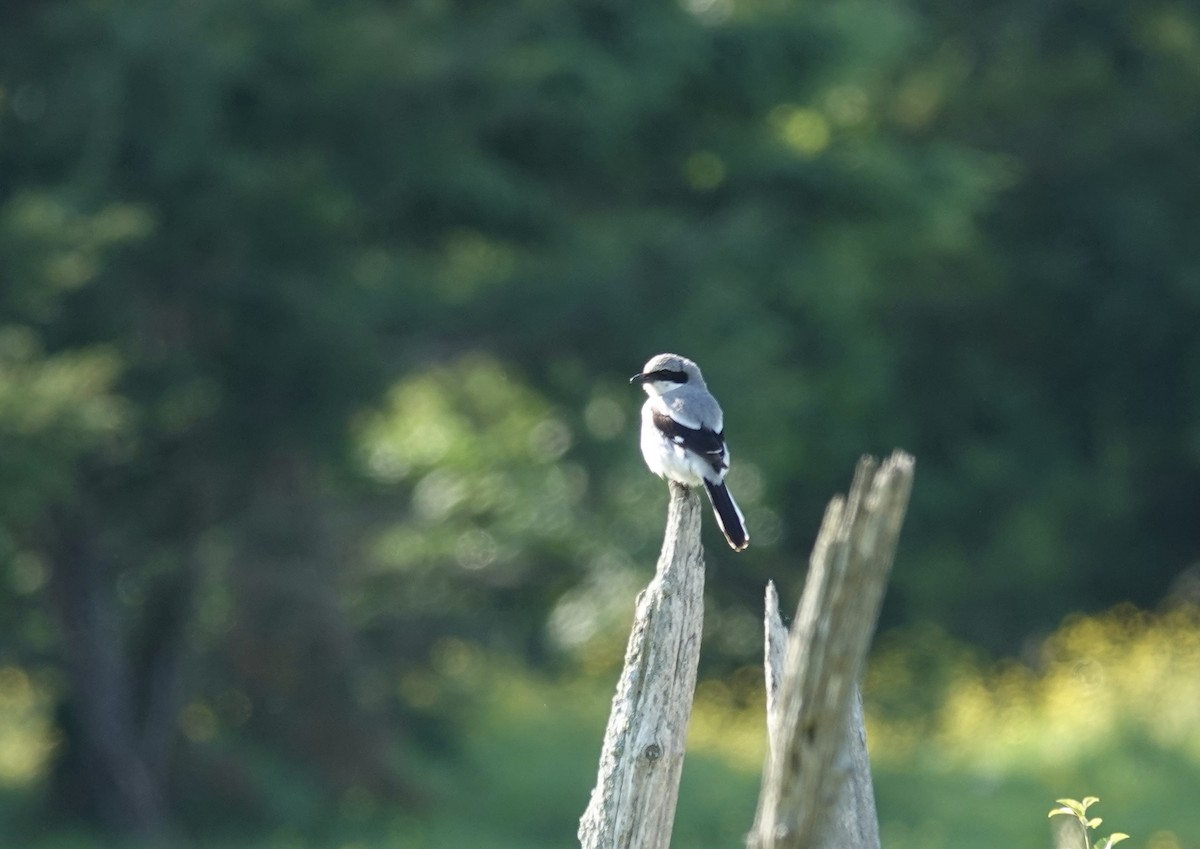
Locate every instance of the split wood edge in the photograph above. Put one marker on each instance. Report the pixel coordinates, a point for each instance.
(816, 791)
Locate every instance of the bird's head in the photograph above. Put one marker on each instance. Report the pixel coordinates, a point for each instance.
(665, 372)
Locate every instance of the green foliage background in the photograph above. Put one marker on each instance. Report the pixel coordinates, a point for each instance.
(315, 321)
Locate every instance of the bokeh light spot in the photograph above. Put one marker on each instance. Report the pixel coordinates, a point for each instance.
(704, 171)
(198, 722)
(803, 130)
(604, 418)
(549, 439)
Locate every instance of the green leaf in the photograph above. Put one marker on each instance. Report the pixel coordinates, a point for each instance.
(1074, 806)
(1116, 837)
(1094, 822)
(1088, 801)
(1056, 811)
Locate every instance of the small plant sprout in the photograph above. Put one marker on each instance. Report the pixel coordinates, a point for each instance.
(1078, 810)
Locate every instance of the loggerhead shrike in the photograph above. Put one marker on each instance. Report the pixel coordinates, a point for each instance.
(683, 436)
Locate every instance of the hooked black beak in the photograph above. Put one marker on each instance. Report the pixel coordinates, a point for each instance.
(639, 378)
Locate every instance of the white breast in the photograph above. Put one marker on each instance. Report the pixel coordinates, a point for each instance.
(669, 460)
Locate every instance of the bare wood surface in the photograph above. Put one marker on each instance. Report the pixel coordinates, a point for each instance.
(853, 823)
(816, 791)
(633, 803)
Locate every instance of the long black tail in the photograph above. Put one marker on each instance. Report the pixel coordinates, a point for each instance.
(729, 517)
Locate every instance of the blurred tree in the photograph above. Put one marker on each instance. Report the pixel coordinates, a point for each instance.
(243, 218)
(183, 257)
(316, 317)
(1053, 406)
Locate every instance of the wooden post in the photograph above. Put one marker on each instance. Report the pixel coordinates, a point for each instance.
(816, 791)
(633, 803)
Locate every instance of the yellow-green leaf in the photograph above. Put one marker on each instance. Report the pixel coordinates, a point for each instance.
(1072, 806)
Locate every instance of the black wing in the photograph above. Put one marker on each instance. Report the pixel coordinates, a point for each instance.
(710, 444)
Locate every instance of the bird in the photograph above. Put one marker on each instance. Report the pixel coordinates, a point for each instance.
(683, 437)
